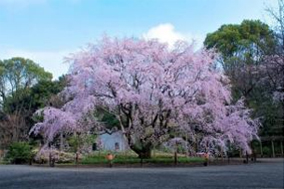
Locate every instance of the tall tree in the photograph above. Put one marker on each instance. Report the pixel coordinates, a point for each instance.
(19, 73)
(154, 92)
(242, 47)
(17, 78)
(250, 54)
(273, 68)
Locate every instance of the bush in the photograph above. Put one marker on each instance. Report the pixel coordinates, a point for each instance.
(19, 153)
(42, 156)
(266, 151)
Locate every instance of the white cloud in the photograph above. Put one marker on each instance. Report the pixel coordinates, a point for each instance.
(166, 33)
(52, 61)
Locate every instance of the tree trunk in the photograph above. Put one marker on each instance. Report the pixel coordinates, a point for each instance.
(261, 151)
(144, 152)
(77, 157)
(51, 160)
(175, 158)
(61, 142)
(272, 147)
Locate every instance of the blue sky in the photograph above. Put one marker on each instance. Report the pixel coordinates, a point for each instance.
(48, 30)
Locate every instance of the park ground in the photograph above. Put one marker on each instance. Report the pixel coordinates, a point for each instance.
(268, 173)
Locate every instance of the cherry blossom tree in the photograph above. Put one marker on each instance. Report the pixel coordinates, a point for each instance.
(155, 93)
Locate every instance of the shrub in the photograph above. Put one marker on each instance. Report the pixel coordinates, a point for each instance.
(19, 153)
(42, 156)
(266, 151)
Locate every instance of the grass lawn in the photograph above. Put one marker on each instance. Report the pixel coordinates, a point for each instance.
(129, 158)
(2, 162)
(132, 158)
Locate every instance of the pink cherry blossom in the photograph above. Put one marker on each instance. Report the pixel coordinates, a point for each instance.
(154, 92)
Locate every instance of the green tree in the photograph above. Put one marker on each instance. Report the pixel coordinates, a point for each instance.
(242, 48)
(246, 42)
(24, 87)
(19, 73)
(79, 142)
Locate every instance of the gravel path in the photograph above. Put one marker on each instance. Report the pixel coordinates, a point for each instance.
(258, 175)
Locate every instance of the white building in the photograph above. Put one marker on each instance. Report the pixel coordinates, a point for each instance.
(114, 142)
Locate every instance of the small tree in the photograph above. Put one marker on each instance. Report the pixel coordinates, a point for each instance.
(80, 142)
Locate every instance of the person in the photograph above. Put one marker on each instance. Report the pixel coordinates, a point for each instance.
(110, 158)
